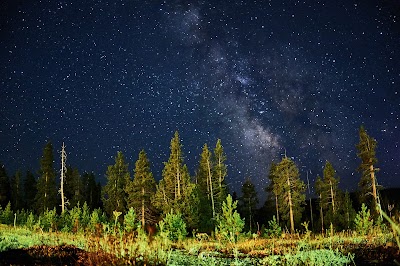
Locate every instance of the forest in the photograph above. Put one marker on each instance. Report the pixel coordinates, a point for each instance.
(67, 217)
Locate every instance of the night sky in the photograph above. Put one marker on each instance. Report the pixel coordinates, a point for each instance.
(264, 76)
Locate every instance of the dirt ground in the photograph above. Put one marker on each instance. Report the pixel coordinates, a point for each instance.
(70, 255)
(57, 255)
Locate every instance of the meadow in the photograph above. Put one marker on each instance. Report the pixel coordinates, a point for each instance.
(37, 241)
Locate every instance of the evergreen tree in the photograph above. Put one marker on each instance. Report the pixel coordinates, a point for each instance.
(92, 191)
(346, 214)
(175, 192)
(73, 187)
(272, 189)
(290, 190)
(329, 195)
(220, 172)
(30, 190)
(207, 182)
(248, 203)
(5, 196)
(368, 185)
(46, 196)
(17, 191)
(141, 190)
(114, 196)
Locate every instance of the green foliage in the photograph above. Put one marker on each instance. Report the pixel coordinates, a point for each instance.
(319, 257)
(30, 221)
(46, 197)
(248, 203)
(367, 153)
(229, 224)
(114, 195)
(30, 190)
(290, 191)
(363, 222)
(7, 215)
(73, 187)
(141, 190)
(173, 226)
(4, 186)
(48, 220)
(175, 191)
(273, 230)
(130, 223)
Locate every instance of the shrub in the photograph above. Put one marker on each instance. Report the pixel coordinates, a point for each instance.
(273, 230)
(48, 220)
(30, 221)
(173, 226)
(130, 223)
(229, 224)
(363, 221)
(7, 215)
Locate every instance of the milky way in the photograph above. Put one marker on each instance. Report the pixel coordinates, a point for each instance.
(267, 77)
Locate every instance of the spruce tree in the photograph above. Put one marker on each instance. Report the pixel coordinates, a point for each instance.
(17, 191)
(291, 191)
(92, 190)
(330, 195)
(368, 184)
(220, 172)
(205, 184)
(30, 190)
(248, 203)
(114, 195)
(175, 192)
(272, 189)
(73, 188)
(5, 189)
(141, 190)
(46, 196)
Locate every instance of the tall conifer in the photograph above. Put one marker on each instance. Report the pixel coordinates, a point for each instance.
(46, 196)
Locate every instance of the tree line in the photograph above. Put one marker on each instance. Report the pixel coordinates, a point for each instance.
(199, 199)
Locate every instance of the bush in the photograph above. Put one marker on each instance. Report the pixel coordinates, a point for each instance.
(130, 223)
(363, 221)
(48, 220)
(229, 224)
(273, 230)
(173, 226)
(7, 215)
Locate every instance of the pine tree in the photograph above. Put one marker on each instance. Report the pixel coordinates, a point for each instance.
(92, 191)
(141, 190)
(5, 196)
(220, 172)
(330, 195)
(368, 184)
(248, 203)
(30, 190)
(272, 188)
(73, 187)
(290, 190)
(114, 196)
(17, 191)
(46, 196)
(206, 180)
(175, 192)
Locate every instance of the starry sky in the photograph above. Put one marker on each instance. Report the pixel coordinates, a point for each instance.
(264, 76)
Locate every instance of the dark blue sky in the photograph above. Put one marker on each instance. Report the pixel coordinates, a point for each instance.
(264, 76)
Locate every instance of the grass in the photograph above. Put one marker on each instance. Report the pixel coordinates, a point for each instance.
(137, 249)
(15, 238)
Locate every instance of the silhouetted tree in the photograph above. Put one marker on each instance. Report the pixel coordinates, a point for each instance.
(46, 196)
(114, 195)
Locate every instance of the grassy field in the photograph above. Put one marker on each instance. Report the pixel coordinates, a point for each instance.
(138, 249)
